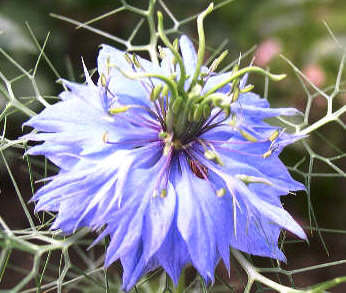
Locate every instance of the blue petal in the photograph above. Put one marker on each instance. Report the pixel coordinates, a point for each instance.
(189, 55)
(196, 219)
(135, 90)
(173, 254)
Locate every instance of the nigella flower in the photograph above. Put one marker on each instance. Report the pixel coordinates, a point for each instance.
(170, 159)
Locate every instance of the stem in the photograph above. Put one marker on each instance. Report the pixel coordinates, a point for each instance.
(323, 121)
(241, 72)
(254, 275)
(153, 37)
(181, 283)
(201, 41)
(168, 44)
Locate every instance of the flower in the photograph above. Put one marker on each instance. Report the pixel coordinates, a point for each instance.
(171, 160)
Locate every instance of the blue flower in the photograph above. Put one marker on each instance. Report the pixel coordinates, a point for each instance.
(175, 164)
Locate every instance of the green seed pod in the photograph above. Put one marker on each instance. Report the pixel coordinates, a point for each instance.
(155, 93)
(177, 104)
(191, 113)
(164, 91)
(195, 91)
(206, 111)
(197, 114)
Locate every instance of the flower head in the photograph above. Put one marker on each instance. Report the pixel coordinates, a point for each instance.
(172, 160)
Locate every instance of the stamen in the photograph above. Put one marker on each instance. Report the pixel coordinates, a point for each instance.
(118, 110)
(105, 137)
(136, 61)
(163, 175)
(128, 58)
(217, 61)
(213, 156)
(276, 134)
(103, 80)
(221, 192)
(267, 154)
(228, 181)
(253, 179)
(247, 135)
(163, 193)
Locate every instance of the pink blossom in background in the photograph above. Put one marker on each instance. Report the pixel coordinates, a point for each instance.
(266, 51)
(315, 74)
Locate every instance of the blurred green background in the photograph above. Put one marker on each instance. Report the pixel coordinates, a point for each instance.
(293, 28)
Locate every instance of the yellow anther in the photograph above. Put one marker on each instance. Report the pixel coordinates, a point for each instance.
(105, 137)
(128, 58)
(221, 192)
(274, 135)
(118, 110)
(103, 80)
(212, 156)
(163, 193)
(248, 136)
(108, 64)
(162, 53)
(253, 179)
(217, 61)
(136, 61)
(267, 154)
(233, 120)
